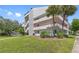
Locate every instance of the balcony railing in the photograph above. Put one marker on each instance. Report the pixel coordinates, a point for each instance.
(48, 26)
(26, 23)
(42, 19)
(62, 19)
(47, 18)
(26, 29)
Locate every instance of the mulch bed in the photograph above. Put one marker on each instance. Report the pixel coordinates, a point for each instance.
(49, 38)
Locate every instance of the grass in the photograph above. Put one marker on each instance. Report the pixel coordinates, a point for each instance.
(22, 44)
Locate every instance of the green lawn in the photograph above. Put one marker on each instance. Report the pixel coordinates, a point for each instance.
(34, 44)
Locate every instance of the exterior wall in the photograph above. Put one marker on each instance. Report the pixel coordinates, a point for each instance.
(31, 23)
(38, 22)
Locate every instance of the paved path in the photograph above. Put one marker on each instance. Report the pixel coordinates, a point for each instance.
(76, 45)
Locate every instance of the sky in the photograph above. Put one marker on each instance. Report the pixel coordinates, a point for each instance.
(16, 12)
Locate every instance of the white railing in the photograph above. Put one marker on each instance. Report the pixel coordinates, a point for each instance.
(47, 18)
(26, 23)
(49, 25)
(42, 27)
(42, 19)
(26, 29)
(60, 26)
(62, 19)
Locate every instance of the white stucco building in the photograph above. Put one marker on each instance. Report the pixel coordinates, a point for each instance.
(37, 21)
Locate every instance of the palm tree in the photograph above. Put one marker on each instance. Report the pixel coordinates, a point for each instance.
(53, 10)
(67, 10)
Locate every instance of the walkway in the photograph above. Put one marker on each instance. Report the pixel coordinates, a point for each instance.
(76, 45)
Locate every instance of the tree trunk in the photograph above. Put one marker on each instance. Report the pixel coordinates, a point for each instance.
(53, 27)
(9, 33)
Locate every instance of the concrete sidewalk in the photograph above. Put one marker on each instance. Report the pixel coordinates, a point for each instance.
(76, 45)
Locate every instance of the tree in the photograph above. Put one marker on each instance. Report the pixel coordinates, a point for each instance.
(1, 24)
(53, 10)
(75, 25)
(21, 30)
(67, 10)
(8, 26)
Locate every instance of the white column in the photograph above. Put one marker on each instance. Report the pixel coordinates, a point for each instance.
(31, 23)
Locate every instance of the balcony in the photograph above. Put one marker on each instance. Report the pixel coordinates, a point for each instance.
(42, 27)
(42, 19)
(47, 18)
(60, 26)
(26, 23)
(48, 26)
(62, 19)
(27, 29)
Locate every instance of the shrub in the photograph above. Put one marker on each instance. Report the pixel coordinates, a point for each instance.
(3, 34)
(65, 35)
(44, 34)
(60, 34)
(21, 30)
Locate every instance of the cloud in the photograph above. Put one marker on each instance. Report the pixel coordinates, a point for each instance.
(9, 13)
(13, 14)
(18, 14)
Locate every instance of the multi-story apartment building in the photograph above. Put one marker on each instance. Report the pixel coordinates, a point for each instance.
(37, 21)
